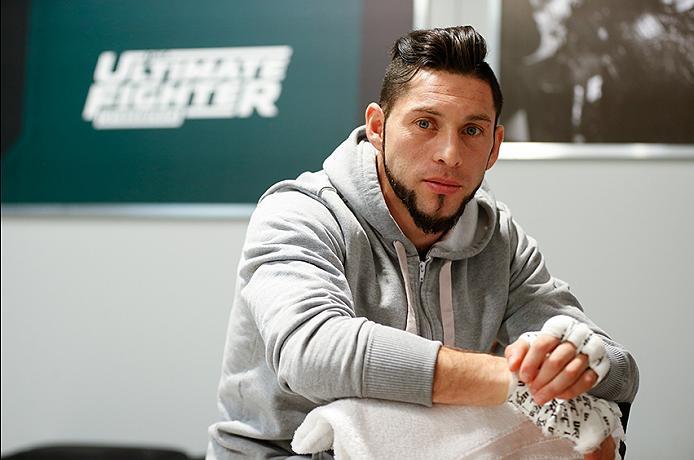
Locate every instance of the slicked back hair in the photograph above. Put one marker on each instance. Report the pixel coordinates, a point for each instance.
(460, 50)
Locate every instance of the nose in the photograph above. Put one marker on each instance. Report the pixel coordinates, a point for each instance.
(450, 150)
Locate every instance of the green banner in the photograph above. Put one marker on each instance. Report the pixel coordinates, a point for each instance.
(179, 101)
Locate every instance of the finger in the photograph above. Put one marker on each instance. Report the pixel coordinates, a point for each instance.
(606, 451)
(608, 448)
(515, 354)
(595, 455)
(554, 364)
(585, 383)
(535, 356)
(566, 379)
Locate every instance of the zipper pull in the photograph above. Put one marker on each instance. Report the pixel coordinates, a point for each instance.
(422, 269)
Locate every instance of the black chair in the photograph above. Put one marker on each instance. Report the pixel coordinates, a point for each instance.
(625, 408)
(96, 452)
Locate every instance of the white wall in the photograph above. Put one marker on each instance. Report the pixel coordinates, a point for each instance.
(621, 234)
(112, 329)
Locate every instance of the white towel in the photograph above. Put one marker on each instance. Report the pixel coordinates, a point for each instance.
(374, 429)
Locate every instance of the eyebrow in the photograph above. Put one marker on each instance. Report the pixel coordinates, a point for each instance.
(426, 110)
(432, 111)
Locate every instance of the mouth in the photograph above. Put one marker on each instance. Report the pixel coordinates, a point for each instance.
(442, 186)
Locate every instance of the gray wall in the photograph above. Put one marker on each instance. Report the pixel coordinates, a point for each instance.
(620, 234)
(112, 329)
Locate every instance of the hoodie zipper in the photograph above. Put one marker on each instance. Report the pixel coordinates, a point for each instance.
(425, 313)
(422, 269)
(415, 321)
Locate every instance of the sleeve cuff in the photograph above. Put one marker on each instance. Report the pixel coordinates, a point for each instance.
(615, 386)
(399, 366)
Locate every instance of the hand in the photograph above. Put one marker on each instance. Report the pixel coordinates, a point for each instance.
(550, 369)
(605, 451)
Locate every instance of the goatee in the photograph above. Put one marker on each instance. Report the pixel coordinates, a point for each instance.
(427, 223)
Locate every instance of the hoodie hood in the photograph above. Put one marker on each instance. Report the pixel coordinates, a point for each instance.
(351, 168)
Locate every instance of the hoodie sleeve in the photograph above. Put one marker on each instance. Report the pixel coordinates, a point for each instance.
(293, 282)
(535, 296)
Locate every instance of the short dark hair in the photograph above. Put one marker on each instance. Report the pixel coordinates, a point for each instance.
(458, 50)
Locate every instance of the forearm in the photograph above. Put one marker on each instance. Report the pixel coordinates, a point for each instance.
(470, 379)
(353, 357)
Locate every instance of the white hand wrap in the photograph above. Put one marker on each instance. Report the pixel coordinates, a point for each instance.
(584, 420)
(581, 336)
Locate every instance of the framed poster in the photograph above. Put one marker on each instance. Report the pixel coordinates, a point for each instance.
(594, 79)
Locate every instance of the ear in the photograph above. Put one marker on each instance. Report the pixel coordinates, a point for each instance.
(375, 120)
(498, 139)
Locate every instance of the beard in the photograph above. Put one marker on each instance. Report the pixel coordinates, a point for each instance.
(427, 223)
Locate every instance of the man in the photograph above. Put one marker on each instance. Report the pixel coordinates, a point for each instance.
(352, 277)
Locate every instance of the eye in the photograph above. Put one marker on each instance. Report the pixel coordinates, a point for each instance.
(424, 124)
(472, 131)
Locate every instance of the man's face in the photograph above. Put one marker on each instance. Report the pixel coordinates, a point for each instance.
(438, 141)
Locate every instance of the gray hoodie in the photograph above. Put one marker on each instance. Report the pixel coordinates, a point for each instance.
(333, 301)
